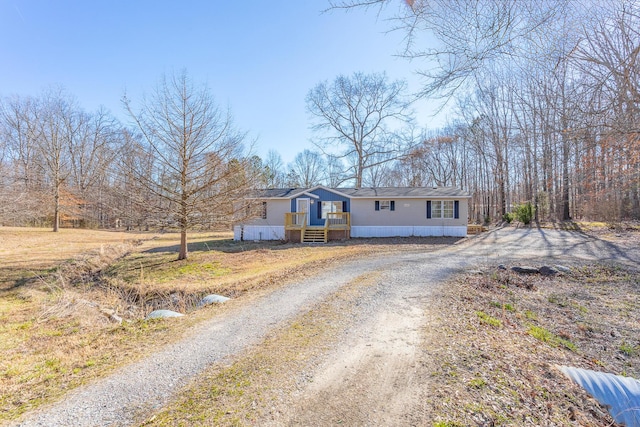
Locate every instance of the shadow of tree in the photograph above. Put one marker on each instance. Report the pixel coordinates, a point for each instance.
(231, 246)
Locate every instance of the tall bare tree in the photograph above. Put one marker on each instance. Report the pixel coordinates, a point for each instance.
(56, 122)
(308, 168)
(357, 116)
(274, 170)
(193, 142)
(22, 199)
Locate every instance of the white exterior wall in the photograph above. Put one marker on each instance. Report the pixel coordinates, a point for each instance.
(408, 231)
(258, 232)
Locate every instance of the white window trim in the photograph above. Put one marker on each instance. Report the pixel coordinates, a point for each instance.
(442, 210)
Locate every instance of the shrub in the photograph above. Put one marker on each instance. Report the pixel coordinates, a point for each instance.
(524, 213)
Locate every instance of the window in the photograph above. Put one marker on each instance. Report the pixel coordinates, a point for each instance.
(436, 209)
(385, 205)
(447, 209)
(442, 209)
(328, 207)
(264, 210)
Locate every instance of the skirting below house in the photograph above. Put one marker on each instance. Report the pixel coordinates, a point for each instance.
(258, 232)
(408, 231)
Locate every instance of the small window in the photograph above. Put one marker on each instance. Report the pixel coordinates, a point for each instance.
(264, 210)
(386, 205)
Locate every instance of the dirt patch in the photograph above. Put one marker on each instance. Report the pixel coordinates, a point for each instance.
(370, 383)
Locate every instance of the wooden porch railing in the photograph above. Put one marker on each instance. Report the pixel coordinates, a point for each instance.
(295, 220)
(333, 221)
(338, 220)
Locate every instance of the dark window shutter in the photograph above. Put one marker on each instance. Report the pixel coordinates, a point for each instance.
(319, 209)
(393, 205)
(456, 209)
(377, 205)
(428, 208)
(344, 206)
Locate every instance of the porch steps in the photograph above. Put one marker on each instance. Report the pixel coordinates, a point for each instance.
(314, 235)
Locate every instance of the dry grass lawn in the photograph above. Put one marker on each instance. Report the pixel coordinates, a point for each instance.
(502, 335)
(26, 252)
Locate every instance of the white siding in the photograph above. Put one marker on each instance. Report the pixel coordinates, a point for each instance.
(408, 231)
(257, 232)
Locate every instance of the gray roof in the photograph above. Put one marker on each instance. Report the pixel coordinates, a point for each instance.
(279, 192)
(371, 192)
(404, 192)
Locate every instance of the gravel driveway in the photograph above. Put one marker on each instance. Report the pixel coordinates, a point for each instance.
(382, 344)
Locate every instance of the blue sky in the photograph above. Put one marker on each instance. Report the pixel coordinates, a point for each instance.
(259, 57)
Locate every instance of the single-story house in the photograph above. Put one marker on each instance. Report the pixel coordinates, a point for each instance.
(319, 213)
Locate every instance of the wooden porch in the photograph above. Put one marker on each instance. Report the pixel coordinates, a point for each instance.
(475, 229)
(337, 225)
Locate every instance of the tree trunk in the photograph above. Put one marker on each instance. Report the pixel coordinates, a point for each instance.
(183, 254)
(566, 214)
(56, 208)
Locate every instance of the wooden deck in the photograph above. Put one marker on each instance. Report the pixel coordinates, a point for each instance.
(475, 229)
(335, 221)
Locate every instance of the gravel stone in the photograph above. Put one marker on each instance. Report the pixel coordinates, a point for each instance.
(525, 270)
(163, 314)
(545, 270)
(212, 299)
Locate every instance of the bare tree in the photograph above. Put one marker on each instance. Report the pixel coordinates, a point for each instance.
(56, 126)
(194, 143)
(22, 193)
(470, 36)
(308, 168)
(357, 116)
(274, 170)
(133, 200)
(335, 175)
